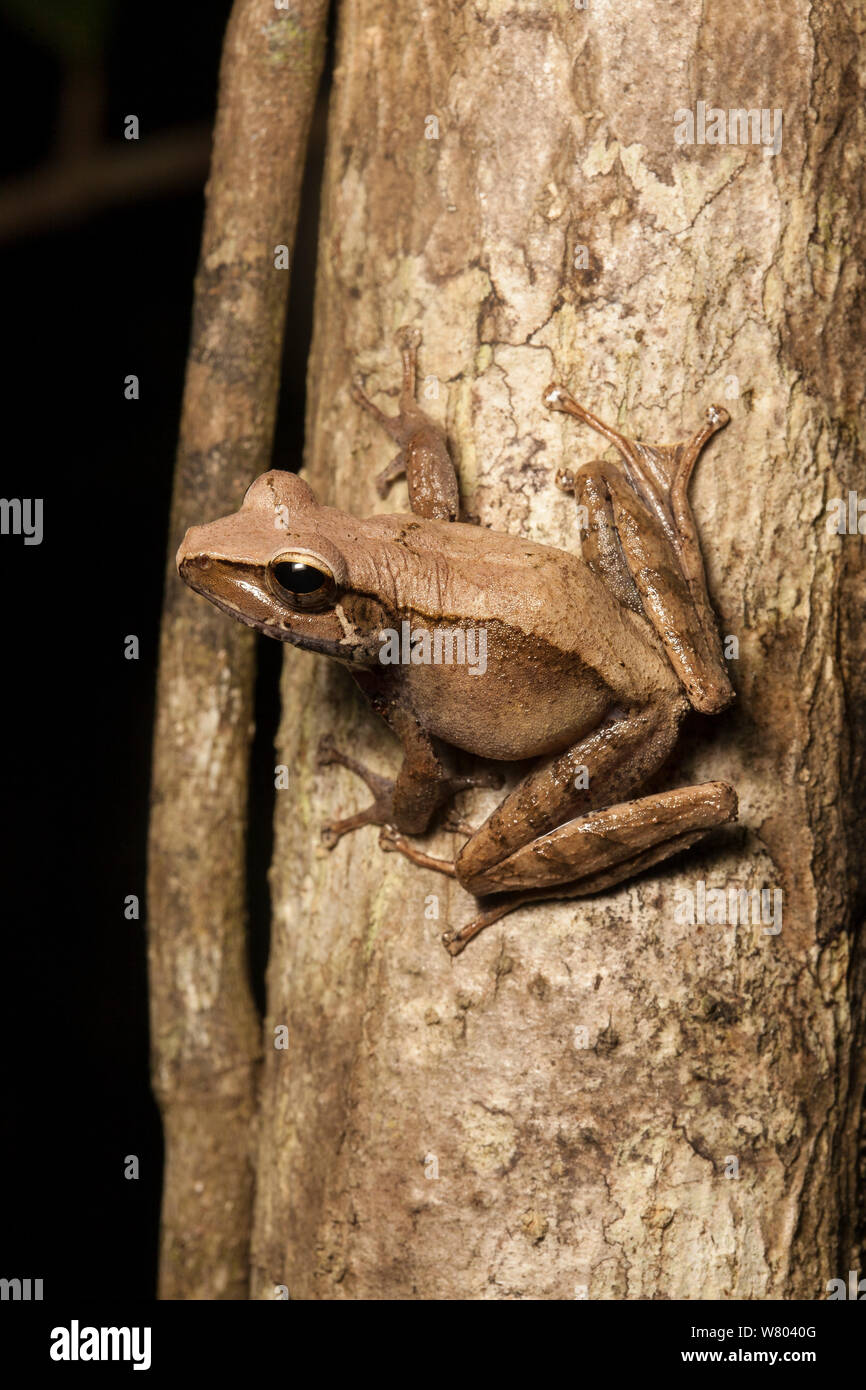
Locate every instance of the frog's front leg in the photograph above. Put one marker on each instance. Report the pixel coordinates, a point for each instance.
(423, 456)
(379, 812)
(423, 784)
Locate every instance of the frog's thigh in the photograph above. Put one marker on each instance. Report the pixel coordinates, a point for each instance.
(607, 766)
(603, 839)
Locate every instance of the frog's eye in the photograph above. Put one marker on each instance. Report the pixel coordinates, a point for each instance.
(302, 584)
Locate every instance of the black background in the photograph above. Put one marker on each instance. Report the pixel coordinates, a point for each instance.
(86, 301)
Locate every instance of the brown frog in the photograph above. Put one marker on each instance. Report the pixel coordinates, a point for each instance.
(462, 636)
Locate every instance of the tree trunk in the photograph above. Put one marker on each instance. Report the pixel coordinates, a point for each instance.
(206, 1042)
(598, 1097)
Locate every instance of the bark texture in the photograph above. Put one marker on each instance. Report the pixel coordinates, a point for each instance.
(440, 1128)
(205, 1031)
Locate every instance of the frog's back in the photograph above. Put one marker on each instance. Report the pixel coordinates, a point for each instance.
(560, 649)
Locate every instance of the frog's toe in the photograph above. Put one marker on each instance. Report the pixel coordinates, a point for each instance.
(408, 338)
(326, 753)
(554, 396)
(389, 839)
(330, 834)
(454, 942)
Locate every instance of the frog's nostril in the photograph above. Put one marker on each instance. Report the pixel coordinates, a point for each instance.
(191, 565)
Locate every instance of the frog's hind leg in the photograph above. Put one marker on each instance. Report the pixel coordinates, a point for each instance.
(643, 542)
(632, 838)
(659, 473)
(603, 839)
(606, 766)
(570, 828)
(396, 469)
(618, 844)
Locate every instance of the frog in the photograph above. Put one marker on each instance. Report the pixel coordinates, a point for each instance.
(593, 654)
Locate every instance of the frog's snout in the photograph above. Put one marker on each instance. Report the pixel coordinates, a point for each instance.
(190, 554)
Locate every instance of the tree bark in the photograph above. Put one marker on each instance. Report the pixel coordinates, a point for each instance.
(205, 1031)
(442, 1128)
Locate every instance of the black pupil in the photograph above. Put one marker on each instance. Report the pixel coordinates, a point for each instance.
(299, 579)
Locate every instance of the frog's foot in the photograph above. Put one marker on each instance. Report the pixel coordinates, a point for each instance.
(391, 838)
(408, 341)
(388, 422)
(396, 468)
(659, 472)
(328, 755)
(455, 942)
(453, 822)
(380, 812)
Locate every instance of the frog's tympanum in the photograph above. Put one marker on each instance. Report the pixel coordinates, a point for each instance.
(461, 637)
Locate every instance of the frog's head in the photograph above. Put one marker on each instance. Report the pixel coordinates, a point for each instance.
(270, 565)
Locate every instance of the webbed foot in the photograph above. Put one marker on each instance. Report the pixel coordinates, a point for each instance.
(379, 812)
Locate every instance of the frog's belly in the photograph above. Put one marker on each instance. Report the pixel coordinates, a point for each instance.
(524, 704)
